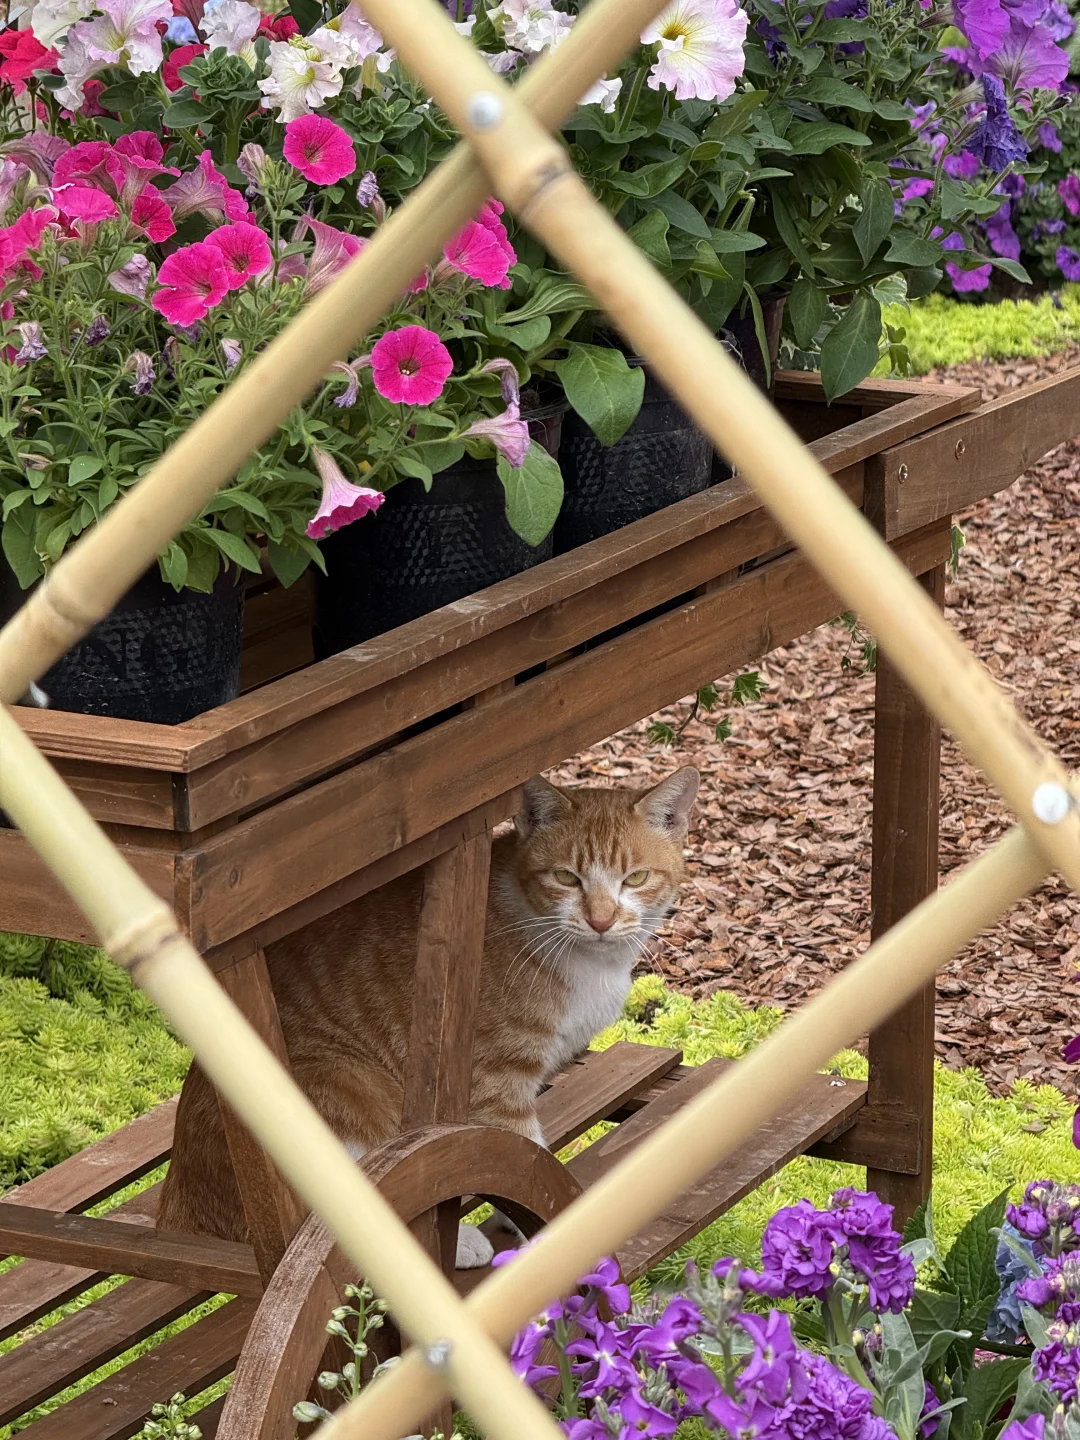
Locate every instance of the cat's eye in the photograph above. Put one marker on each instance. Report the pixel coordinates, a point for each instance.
(636, 878)
(566, 877)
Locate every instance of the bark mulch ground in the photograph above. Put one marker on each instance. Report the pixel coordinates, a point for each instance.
(778, 895)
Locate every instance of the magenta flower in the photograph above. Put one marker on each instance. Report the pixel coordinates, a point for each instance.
(410, 366)
(80, 202)
(205, 191)
(193, 280)
(1069, 194)
(135, 160)
(151, 214)
(507, 432)
(1029, 1429)
(482, 250)
(24, 236)
(319, 149)
(342, 501)
(245, 250)
(84, 164)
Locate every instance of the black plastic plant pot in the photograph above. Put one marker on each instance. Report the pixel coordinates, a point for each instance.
(744, 337)
(424, 549)
(161, 655)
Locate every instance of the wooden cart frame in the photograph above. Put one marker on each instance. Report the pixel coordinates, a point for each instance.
(326, 780)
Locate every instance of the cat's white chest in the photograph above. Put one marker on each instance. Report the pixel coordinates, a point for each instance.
(598, 987)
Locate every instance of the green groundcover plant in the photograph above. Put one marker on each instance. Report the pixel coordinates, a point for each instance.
(941, 331)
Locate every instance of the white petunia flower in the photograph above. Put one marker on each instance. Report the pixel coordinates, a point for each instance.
(303, 75)
(604, 93)
(125, 35)
(51, 19)
(231, 25)
(362, 39)
(701, 48)
(533, 26)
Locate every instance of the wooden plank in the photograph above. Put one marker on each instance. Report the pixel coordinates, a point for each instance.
(272, 1209)
(48, 1362)
(104, 1167)
(119, 742)
(589, 1091)
(877, 393)
(122, 794)
(37, 1287)
(867, 437)
(33, 902)
(197, 1261)
(883, 1137)
(907, 753)
(118, 1405)
(277, 633)
(949, 469)
(825, 1103)
(282, 855)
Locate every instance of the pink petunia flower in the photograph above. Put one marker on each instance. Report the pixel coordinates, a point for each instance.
(23, 56)
(333, 250)
(82, 202)
(205, 191)
(509, 380)
(91, 106)
(410, 366)
(245, 250)
(1069, 193)
(319, 149)
(193, 280)
(342, 501)
(135, 160)
(132, 278)
(85, 164)
(24, 236)
(278, 27)
(152, 216)
(477, 252)
(181, 56)
(507, 432)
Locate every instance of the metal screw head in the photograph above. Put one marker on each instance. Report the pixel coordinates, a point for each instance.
(1051, 803)
(959, 448)
(485, 110)
(438, 1355)
(902, 474)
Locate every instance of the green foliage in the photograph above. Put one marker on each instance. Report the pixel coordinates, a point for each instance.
(748, 687)
(942, 331)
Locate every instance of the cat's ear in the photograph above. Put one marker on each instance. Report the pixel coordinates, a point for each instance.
(541, 804)
(666, 807)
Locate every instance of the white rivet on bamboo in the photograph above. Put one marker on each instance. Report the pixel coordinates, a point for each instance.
(485, 110)
(1051, 803)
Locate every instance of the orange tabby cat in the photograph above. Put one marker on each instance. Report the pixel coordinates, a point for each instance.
(575, 890)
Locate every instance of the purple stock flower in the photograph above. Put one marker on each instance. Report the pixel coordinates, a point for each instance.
(796, 1252)
(609, 1349)
(997, 142)
(1029, 1429)
(930, 1403)
(774, 1358)
(607, 1279)
(1058, 1367)
(1068, 262)
(698, 1383)
(586, 1430)
(643, 1417)
(862, 1222)
(833, 1406)
(746, 1421)
(680, 1321)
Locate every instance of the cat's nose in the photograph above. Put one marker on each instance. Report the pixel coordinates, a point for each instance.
(601, 923)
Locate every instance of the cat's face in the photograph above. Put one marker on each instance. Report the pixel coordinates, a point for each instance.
(603, 865)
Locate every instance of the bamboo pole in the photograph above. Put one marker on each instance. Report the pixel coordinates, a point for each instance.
(712, 1126)
(141, 933)
(89, 580)
(533, 175)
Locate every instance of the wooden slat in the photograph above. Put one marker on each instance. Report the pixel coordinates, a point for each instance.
(197, 1261)
(824, 1104)
(55, 1358)
(186, 1363)
(119, 742)
(102, 1168)
(602, 1082)
(865, 438)
(876, 393)
(122, 794)
(37, 1287)
(984, 452)
(283, 855)
(33, 903)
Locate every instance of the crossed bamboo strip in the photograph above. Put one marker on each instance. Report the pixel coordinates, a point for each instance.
(529, 171)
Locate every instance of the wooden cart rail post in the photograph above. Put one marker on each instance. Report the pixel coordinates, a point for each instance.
(140, 931)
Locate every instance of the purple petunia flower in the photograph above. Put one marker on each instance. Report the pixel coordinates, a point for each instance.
(1029, 1429)
(97, 331)
(997, 142)
(1027, 57)
(999, 231)
(1068, 262)
(965, 280)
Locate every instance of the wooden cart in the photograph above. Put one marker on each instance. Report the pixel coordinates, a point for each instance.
(324, 781)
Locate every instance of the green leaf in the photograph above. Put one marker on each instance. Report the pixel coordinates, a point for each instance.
(850, 350)
(120, 97)
(932, 1312)
(706, 263)
(108, 489)
(306, 13)
(806, 308)
(650, 235)
(682, 214)
(789, 232)
(438, 454)
(826, 91)
(759, 330)
(892, 110)
(922, 281)
(1011, 267)
(990, 1386)
(733, 242)
(174, 565)
(18, 545)
(952, 199)
(970, 1263)
(735, 114)
(410, 464)
(239, 551)
(876, 218)
(603, 389)
(526, 336)
(843, 32)
(534, 494)
(82, 467)
(553, 294)
(908, 249)
(287, 563)
(817, 136)
(185, 115)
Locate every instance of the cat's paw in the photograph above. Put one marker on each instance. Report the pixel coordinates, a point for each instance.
(474, 1249)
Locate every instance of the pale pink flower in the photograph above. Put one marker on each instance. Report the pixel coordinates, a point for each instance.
(205, 191)
(12, 172)
(151, 214)
(143, 367)
(508, 377)
(245, 250)
(342, 501)
(125, 35)
(507, 432)
(231, 26)
(38, 151)
(531, 26)
(350, 368)
(332, 252)
(233, 352)
(193, 280)
(363, 39)
(410, 366)
(319, 149)
(701, 48)
(251, 162)
(33, 343)
(81, 202)
(51, 19)
(132, 278)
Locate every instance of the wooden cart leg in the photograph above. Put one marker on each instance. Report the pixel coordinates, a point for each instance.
(272, 1210)
(907, 746)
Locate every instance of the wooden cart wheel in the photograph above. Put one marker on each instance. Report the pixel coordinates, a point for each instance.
(416, 1171)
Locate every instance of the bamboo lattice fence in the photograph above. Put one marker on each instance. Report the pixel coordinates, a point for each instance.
(508, 149)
